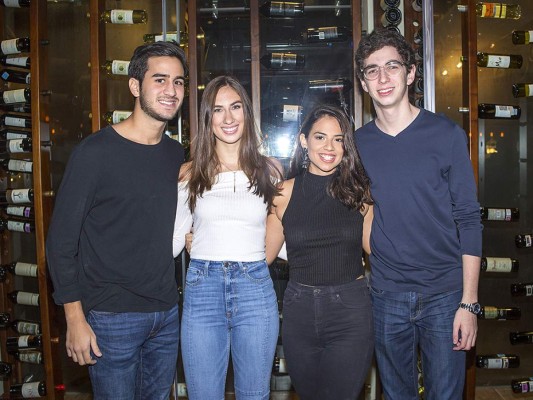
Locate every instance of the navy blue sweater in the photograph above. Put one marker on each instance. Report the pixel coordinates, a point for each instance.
(426, 213)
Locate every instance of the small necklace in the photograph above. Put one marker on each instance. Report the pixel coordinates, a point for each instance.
(234, 174)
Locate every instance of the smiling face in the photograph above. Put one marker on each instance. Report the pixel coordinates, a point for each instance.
(227, 121)
(162, 89)
(387, 90)
(325, 145)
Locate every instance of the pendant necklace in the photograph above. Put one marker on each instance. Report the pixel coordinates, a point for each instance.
(234, 174)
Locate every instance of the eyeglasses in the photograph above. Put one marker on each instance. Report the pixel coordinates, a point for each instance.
(392, 68)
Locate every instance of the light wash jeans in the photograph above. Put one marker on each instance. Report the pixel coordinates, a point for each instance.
(139, 353)
(228, 306)
(408, 320)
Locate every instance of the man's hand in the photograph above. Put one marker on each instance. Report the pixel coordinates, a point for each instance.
(80, 338)
(464, 330)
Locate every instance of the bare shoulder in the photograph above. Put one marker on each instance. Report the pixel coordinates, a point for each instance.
(185, 171)
(285, 191)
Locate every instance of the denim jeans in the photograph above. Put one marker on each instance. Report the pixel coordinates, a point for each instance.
(328, 339)
(407, 322)
(139, 354)
(228, 306)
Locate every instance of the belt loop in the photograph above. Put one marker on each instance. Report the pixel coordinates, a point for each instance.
(206, 269)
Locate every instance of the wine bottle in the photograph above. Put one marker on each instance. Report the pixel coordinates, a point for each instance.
(15, 76)
(29, 390)
(419, 70)
(283, 61)
(419, 102)
(392, 16)
(523, 240)
(16, 226)
(15, 120)
(499, 60)
(16, 196)
(15, 46)
(417, 5)
(5, 369)
(498, 10)
(4, 320)
(158, 37)
(124, 16)
(20, 211)
(16, 343)
(24, 298)
(21, 269)
(419, 86)
(116, 116)
(20, 62)
(497, 111)
(499, 214)
(522, 385)
(419, 53)
(16, 165)
(8, 134)
(521, 337)
(498, 361)
(20, 326)
(419, 37)
(15, 96)
(522, 289)
(15, 146)
(29, 356)
(522, 89)
(500, 314)
(278, 9)
(327, 34)
(16, 107)
(330, 85)
(389, 3)
(280, 366)
(499, 264)
(522, 37)
(116, 67)
(15, 3)
(286, 113)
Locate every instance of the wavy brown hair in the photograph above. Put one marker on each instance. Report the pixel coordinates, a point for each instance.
(260, 170)
(350, 184)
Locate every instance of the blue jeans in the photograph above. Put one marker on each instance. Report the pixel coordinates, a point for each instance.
(328, 339)
(407, 322)
(139, 354)
(228, 306)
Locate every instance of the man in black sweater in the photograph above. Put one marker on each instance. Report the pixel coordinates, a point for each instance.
(109, 245)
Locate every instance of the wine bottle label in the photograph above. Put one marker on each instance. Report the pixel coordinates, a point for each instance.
(14, 121)
(327, 33)
(282, 366)
(23, 340)
(526, 387)
(119, 116)
(499, 214)
(14, 135)
(494, 10)
(29, 328)
(122, 16)
(17, 61)
(20, 165)
(505, 111)
(529, 290)
(498, 363)
(491, 312)
(12, 3)
(9, 46)
(182, 390)
(26, 269)
(496, 61)
(14, 96)
(18, 226)
(30, 390)
(33, 357)
(529, 37)
(17, 196)
(499, 264)
(119, 67)
(170, 37)
(27, 298)
(15, 146)
(18, 211)
(291, 113)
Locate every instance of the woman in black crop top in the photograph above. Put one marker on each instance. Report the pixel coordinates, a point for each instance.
(324, 214)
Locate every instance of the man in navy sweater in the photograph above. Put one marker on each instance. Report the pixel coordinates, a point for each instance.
(109, 245)
(426, 233)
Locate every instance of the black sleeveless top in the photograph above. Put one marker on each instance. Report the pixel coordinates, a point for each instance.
(323, 237)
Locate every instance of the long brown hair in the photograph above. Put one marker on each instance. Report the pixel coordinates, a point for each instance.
(350, 184)
(261, 171)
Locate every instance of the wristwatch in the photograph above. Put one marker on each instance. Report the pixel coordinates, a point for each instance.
(474, 308)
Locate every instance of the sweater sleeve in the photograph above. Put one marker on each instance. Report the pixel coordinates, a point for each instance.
(183, 222)
(73, 201)
(463, 190)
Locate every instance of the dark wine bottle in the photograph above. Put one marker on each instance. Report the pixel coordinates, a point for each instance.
(521, 337)
(283, 61)
(16, 196)
(522, 89)
(15, 146)
(15, 120)
(29, 356)
(13, 165)
(16, 107)
(419, 102)
(327, 34)
(522, 37)
(329, 85)
(15, 46)
(522, 385)
(523, 240)
(20, 211)
(15, 76)
(391, 16)
(280, 366)
(29, 390)
(20, 62)
(419, 37)
(522, 289)
(496, 111)
(389, 3)
(24, 298)
(417, 5)
(16, 226)
(500, 314)
(5, 369)
(499, 214)
(15, 3)
(8, 134)
(282, 9)
(15, 96)
(16, 343)
(485, 9)
(21, 269)
(498, 361)
(487, 60)
(419, 86)
(499, 264)
(22, 327)
(4, 320)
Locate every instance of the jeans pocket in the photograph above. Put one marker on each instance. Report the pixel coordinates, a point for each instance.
(256, 272)
(289, 297)
(353, 298)
(376, 292)
(194, 275)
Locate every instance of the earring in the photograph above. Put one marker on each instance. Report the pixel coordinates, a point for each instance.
(305, 161)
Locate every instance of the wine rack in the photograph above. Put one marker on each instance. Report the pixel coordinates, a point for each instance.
(25, 293)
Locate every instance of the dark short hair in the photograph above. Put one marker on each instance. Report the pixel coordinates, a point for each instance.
(141, 55)
(376, 41)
